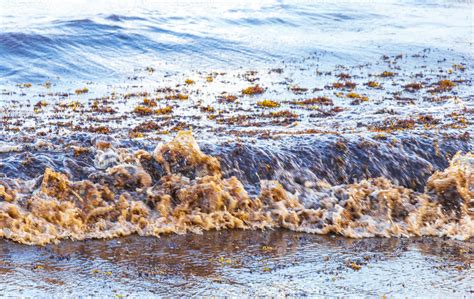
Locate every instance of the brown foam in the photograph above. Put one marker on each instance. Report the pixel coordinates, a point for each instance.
(179, 189)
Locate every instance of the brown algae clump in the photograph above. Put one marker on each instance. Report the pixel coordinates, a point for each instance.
(298, 90)
(178, 96)
(150, 103)
(324, 101)
(227, 99)
(251, 90)
(177, 189)
(344, 85)
(164, 110)
(357, 98)
(81, 90)
(373, 84)
(143, 110)
(445, 85)
(412, 87)
(386, 74)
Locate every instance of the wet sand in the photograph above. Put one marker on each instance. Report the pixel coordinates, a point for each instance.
(234, 263)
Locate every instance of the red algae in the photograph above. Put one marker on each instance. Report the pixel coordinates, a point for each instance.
(177, 189)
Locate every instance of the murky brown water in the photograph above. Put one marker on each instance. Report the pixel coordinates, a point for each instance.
(234, 263)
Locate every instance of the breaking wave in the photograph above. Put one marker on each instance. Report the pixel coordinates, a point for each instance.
(178, 189)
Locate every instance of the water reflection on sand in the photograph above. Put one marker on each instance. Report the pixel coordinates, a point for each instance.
(239, 262)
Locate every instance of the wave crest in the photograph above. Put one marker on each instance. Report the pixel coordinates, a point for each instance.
(178, 189)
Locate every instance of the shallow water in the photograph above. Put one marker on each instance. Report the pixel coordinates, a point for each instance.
(51, 40)
(248, 263)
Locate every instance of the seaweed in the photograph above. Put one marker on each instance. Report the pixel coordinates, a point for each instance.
(443, 86)
(342, 85)
(373, 84)
(298, 90)
(81, 90)
(252, 90)
(412, 87)
(386, 74)
(143, 110)
(324, 101)
(268, 104)
(227, 99)
(357, 98)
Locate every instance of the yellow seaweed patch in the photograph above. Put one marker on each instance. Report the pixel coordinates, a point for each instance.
(268, 104)
(446, 84)
(251, 90)
(355, 267)
(387, 74)
(164, 110)
(143, 110)
(373, 84)
(208, 109)
(443, 86)
(179, 96)
(148, 102)
(359, 98)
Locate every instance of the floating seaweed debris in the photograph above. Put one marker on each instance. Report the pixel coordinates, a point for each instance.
(386, 74)
(143, 110)
(298, 90)
(268, 104)
(81, 90)
(324, 101)
(357, 98)
(373, 84)
(443, 86)
(412, 87)
(252, 90)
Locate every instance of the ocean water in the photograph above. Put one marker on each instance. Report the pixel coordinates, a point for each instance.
(107, 41)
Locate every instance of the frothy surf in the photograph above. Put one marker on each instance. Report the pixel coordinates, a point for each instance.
(179, 189)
